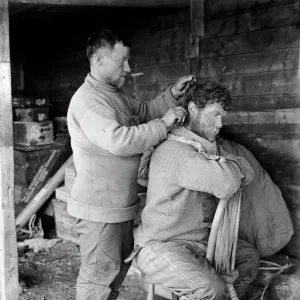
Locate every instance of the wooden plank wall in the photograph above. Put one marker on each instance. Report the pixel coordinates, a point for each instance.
(158, 52)
(252, 47)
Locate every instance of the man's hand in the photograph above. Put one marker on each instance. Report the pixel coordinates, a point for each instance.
(174, 115)
(230, 277)
(179, 87)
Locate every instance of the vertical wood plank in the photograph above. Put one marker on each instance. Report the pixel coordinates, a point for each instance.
(9, 287)
(197, 17)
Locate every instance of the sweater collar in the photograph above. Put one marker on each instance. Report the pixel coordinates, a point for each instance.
(97, 84)
(186, 136)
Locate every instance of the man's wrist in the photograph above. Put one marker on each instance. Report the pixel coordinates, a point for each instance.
(172, 93)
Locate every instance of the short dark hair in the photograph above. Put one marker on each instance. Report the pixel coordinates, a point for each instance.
(103, 39)
(208, 92)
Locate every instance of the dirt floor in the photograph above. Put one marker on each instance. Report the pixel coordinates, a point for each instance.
(51, 275)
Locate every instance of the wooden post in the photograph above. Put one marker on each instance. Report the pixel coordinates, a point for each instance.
(195, 29)
(9, 286)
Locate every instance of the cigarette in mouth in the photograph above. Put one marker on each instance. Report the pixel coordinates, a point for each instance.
(136, 74)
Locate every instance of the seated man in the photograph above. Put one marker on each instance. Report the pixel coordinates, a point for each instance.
(188, 173)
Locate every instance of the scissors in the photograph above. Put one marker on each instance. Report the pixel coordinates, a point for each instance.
(188, 85)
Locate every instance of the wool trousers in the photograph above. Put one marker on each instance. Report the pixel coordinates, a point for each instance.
(103, 248)
(182, 267)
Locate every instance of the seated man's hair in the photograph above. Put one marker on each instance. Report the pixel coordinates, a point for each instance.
(103, 39)
(208, 92)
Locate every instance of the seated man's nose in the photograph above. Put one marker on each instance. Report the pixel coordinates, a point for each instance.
(219, 124)
(127, 68)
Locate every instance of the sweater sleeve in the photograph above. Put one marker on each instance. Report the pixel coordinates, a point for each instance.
(156, 108)
(219, 177)
(99, 123)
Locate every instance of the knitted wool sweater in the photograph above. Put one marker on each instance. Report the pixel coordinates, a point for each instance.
(184, 185)
(108, 141)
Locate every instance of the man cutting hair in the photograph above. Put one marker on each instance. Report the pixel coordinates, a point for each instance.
(108, 139)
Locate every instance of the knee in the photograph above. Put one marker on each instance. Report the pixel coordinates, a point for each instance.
(215, 289)
(218, 288)
(251, 266)
(255, 261)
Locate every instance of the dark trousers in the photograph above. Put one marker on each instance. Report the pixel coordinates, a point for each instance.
(103, 248)
(182, 267)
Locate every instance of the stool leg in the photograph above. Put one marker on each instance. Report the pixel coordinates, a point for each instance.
(175, 297)
(150, 295)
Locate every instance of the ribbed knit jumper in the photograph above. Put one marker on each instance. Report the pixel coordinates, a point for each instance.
(107, 143)
(183, 189)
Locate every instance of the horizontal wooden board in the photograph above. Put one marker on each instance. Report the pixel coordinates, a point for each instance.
(158, 39)
(224, 8)
(169, 20)
(112, 3)
(253, 63)
(291, 195)
(283, 174)
(251, 21)
(263, 102)
(146, 92)
(159, 56)
(279, 116)
(282, 82)
(256, 41)
(266, 135)
(161, 73)
(281, 151)
(262, 128)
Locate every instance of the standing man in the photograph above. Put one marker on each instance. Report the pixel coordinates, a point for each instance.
(188, 173)
(107, 141)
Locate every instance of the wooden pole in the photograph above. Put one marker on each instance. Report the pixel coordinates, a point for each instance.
(43, 195)
(9, 286)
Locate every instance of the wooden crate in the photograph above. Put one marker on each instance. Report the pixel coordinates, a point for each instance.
(62, 193)
(65, 224)
(27, 163)
(33, 133)
(30, 102)
(31, 114)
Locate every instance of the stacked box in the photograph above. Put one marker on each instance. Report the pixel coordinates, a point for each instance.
(31, 122)
(65, 224)
(26, 164)
(31, 114)
(33, 133)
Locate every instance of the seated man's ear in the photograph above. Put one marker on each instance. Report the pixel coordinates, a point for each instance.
(192, 108)
(99, 59)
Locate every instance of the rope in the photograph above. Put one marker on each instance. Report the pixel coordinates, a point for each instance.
(273, 267)
(33, 231)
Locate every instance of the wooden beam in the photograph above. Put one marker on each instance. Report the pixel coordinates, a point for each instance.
(279, 116)
(9, 286)
(128, 3)
(197, 17)
(194, 29)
